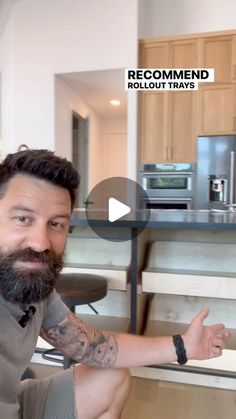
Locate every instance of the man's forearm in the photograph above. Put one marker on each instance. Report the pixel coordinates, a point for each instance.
(79, 341)
(144, 350)
(82, 343)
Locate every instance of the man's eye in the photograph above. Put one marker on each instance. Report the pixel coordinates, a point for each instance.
(56, 225)
(22, 219)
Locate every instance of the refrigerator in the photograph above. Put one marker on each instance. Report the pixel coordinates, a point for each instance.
(215, 177)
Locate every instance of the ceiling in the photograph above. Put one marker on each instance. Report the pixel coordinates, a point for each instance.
(97, 88)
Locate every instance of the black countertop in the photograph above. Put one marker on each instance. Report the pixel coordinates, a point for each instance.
(178, 219)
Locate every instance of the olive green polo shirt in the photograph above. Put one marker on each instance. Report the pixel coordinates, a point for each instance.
(17, 345)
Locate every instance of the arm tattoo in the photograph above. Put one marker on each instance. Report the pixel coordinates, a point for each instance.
(79, 341)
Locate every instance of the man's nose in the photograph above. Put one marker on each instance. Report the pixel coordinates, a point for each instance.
(38, 239)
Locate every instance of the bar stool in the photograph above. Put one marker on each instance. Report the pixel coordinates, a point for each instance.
(77, 289)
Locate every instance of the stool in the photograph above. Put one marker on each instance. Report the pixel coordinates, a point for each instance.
(77, 289)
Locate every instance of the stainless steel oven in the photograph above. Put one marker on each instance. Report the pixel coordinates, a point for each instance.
(168, 186)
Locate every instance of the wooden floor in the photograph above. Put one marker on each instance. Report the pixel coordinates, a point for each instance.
(153, 399)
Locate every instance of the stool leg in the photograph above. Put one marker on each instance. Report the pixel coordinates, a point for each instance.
(67, 363)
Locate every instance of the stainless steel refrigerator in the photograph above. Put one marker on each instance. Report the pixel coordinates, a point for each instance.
(216, 166)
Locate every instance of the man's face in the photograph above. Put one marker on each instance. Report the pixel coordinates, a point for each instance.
(34, 221)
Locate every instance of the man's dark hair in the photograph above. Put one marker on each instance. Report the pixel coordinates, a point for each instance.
(42, 164)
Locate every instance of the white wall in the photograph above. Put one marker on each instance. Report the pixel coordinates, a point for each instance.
(171, 17)
(67, 101)
(7, 61)
(52, 37)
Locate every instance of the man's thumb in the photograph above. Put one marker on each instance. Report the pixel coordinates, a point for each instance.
(202, 315)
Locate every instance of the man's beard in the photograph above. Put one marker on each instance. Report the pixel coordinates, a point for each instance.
(24, 285)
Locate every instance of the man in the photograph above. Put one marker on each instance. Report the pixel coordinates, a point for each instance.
(37, 194)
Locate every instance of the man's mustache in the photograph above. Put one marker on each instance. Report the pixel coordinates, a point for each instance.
(30, 255)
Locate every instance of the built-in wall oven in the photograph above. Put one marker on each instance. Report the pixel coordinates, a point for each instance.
(168, 186)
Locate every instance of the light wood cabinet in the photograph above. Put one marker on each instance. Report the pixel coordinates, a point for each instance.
(154, 55)
(154, 128)
(234, 58)
(217, 109)
(182, 126)
(217, 52)
(171, 121)
(168, 127)
(217, 113)
(184, 53)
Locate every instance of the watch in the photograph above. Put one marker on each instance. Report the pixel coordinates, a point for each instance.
(180, 349)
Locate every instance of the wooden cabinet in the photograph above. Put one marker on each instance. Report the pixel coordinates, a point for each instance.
(184, 53)
(171, 121)
(171, 54)
(154, 144)
(154, 55)
(182, 126)
(168, 127)
(217, 113)
(217, 109)
(217, 52)
(234, 58)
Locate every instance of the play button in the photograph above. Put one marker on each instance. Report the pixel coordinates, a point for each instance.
(113, 205)
(117, 209)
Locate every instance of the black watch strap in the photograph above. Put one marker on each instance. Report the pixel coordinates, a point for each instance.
(180, 349)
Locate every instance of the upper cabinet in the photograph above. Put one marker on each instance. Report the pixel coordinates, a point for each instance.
(154, 55)
(217, 111)
(217, 52)
(184, 53)
(179, 53)
(168, 126)
(171, 121)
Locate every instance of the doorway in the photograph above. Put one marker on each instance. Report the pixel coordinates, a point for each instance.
(80, 133)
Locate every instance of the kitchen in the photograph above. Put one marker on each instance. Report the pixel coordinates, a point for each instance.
(34, 83)
(172, 185)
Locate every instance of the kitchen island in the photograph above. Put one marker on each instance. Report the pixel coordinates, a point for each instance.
(181, 219)
(128, 228)
(186, 260)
